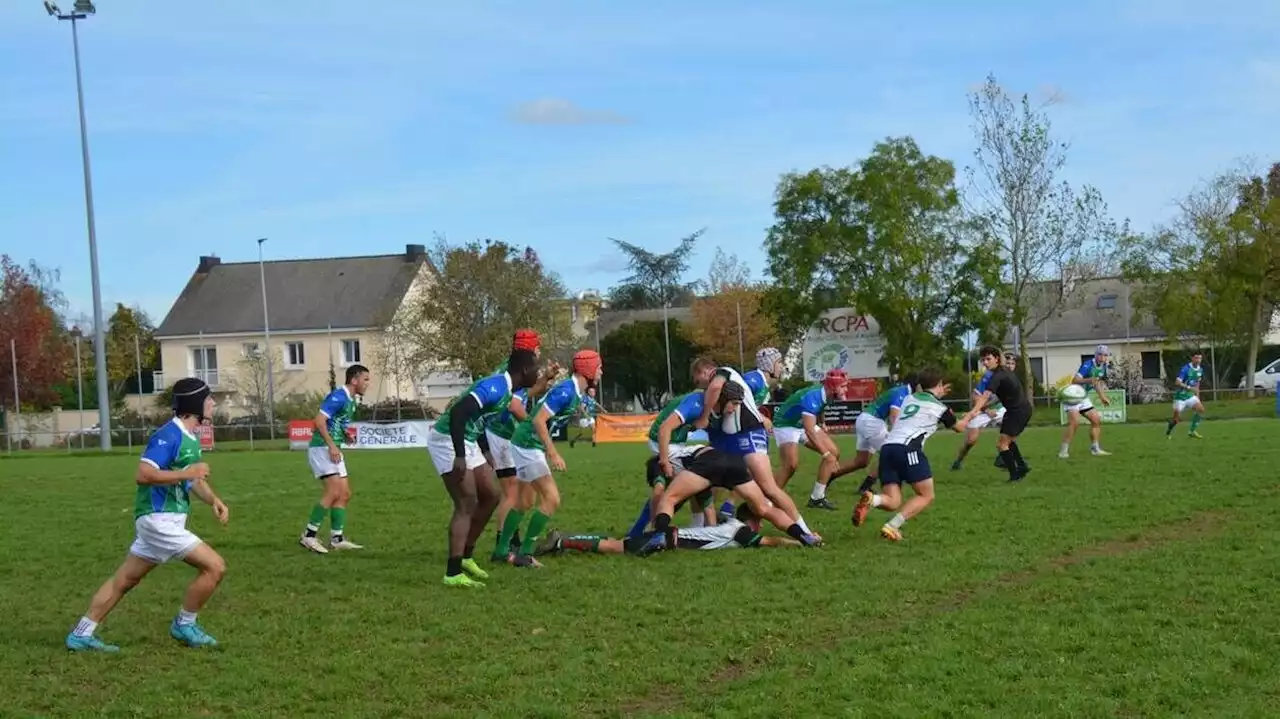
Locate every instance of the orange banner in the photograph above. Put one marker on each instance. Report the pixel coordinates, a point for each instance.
(623, 427)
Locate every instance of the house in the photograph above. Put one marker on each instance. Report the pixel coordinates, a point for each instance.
(325, 314)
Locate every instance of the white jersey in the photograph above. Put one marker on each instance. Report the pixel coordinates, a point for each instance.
(732, 424)
(919, 418)
(731, 534)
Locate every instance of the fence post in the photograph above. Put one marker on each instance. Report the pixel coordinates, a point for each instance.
(1278, 398)
(251, 437)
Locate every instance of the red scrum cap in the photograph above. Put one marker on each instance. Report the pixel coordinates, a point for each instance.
(525, 340)
(587, 363)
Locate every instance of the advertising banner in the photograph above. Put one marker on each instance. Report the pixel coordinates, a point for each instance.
(1114, 413)
(205, 433)
(623, 427)
(367, 435)
(843, 339)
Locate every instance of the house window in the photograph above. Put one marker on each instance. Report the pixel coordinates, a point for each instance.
(1107, 302)
(350, 352)
(249, 350)
(1037, 369)
(204, 364)
(1151, 365)
(294, 355)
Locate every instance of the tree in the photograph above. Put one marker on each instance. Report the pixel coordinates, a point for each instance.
(250, 379)
(124, 327)
(636, 360)
(729, 322)
(29, 317)
(1051, 236)
(480, 294)
(656, 279)
(1251, 254)
(889, 238)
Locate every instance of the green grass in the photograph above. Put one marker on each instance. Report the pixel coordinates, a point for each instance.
(1141, 584)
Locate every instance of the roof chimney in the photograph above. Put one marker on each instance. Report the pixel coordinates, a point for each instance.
(412, 253)
(208, 263)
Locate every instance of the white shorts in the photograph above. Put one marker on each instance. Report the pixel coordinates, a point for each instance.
(870, 431)
(985, 420)
(1085, 406)
(162, 536)
(586, 422)
(323, 467)
(531, 464)
(440, 447)
(500, 450)
(789, 435)
(1182, 405)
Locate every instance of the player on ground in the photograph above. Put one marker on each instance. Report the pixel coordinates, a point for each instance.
(992, 415)
(742, 531)
(169, 473)
(1187, 396)
(536, 456)
(902, 458)
(455, 452)
(587, 417)
(1092, 375)
(870, 429)
(797, 422)
(668, 442)
(1006, 388)
(328, 464)
(745, 432)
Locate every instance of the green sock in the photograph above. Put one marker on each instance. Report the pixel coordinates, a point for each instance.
(317, 518)
(1195, 421)
(509, 527)
(1169, 429)
(337, 520)
(537, 523)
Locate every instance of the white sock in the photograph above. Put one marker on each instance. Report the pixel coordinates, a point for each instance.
(877, 500)
(897, 521)
(698, 520)
(185, 617)
(805, 527)
(85, 627)
(819, 491)
(1095, 446)
(1065, 447)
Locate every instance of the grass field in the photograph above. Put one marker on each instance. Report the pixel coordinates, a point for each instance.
(1141, 584)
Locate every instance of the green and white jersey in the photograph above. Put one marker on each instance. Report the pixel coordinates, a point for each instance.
(171, 448)
(502, 423)
(919, 418)
(1190, 376)
(339, 408)
(492, 393)
(561, 401)
(688, 407)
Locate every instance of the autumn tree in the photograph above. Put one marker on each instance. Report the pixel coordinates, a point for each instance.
(479, 294)
(1052, 236)
(251, 380)
(130, 342)
(886, 236)
(636, 360)
(656, 279)
(729, 322)
(29, 318)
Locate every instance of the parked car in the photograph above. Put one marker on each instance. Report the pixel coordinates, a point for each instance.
(1264, 378)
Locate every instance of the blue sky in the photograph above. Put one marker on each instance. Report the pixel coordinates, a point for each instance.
(333, 130)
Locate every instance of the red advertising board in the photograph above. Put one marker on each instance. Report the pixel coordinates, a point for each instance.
(861, 389)
(205, 433)
(300, 433)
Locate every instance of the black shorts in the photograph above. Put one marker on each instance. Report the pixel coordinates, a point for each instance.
(727, 471)
(900, 463)
(1015, 420)
(653, 475)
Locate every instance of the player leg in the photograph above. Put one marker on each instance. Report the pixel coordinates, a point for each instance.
(890, 497)
(755, 498)
(1095, 433)
(508, 487)
(590, 543)
(1197, 414)
(762, 472)
(338, 492)
(970, 439)
(462, 490)
(828, 463)
(684, 485)
(548, 502)
(83, 636)
(1073, 420)
(323, 468)
(788, 441)
(211, 567)
(903, 465)
(1174, 419)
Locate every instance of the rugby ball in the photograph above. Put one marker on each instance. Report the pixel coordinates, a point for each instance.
(1073, 394)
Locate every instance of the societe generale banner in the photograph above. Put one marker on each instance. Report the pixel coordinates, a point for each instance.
(367, 435)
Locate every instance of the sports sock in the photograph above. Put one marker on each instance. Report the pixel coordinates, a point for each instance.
(1174, 423)
(454, 568)
(1195, 421)
(641, 522)
(897, 521)
(1017, 455)
(819, 491)
(318, 513)
(1010, 461)
(867, 484)
(698, 520)
(337, 522)
(509, 527)
(85, 627)
(537, 523)
(587, 543)
(662, 522)
(796, 531)
(185, 617)
(877, 500)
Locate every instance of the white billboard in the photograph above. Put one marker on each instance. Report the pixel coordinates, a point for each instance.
(845, 339)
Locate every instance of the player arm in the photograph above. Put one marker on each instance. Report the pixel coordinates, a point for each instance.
(953, 423)
(711, 397)
(668, 426)
(321, 423)
(816, 439)
(150, 473)
(543, 383)
(461, 414)
(517, 409)
(540, 421)
(201, 489)
(893, 416)
(1181, 380)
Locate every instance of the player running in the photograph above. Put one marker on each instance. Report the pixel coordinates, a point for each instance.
(902, 458)
(991, 416)
(536, 457)
(170, 472)
(745, 431)
(1093, 374)
(1187, 396)
(741, 531)
(797, 422)
(455, 452)
(870, 429)
(587, 417)
(329, 465)
(1006, 389)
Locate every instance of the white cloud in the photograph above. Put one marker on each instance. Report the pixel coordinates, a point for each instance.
(556, 111)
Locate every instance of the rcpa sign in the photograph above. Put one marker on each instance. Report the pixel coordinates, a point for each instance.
(843, 339)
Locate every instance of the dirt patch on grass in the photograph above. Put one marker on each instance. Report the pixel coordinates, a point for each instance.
(664, 698)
